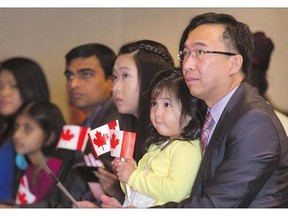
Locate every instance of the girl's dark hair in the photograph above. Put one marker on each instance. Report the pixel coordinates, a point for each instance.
(31, 83)
(29, 76)
(150, 57)
(172, 82)
(50, 119)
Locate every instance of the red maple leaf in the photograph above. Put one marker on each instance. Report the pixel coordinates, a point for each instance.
(22, 198)
(114, 141)
(100, 140)
(66, 135)
(112, 125)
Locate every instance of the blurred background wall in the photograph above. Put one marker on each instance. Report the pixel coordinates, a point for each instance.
(47, 34)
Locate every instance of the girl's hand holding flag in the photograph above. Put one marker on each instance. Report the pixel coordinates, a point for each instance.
(124, 168)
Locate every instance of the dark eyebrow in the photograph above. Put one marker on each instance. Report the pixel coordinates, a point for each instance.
(79, 71)
(85, 69)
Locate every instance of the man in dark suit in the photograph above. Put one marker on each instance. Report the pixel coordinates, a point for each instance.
(89, 86)
(245, 163)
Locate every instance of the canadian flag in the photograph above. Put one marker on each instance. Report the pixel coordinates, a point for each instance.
(122, 143)
(100, 137)
(73, 137)
(24, 196)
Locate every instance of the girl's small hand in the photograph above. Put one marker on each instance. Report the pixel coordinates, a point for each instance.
(110, 202)
(114, 163)
(124, 169)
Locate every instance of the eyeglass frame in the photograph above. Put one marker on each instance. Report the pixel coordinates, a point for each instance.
(200, 52)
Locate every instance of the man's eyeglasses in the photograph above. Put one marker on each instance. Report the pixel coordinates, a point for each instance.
(197, 54)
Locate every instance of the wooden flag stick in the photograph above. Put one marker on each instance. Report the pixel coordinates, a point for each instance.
(128, 190)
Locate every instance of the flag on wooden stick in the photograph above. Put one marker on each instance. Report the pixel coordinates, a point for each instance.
(122, 143)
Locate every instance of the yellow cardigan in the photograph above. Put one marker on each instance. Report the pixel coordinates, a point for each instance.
(167, 175)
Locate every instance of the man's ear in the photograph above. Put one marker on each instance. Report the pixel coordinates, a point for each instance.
(236, 63)
(110, 82)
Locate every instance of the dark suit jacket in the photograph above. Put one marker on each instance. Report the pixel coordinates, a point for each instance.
(248, 152)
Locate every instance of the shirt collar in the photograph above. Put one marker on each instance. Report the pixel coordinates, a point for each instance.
(218, 108)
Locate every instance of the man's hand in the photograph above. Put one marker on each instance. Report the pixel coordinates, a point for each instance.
(108, 181)
(85, 204)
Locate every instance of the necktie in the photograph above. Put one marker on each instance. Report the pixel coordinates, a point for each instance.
(207, 126)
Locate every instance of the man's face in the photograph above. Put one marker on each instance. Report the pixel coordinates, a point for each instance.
(86, 84)
(208, 76)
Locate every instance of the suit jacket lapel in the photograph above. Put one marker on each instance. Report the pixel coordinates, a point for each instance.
(218, 138)
(242, 89)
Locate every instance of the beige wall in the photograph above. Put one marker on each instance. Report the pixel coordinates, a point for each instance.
(46, 35)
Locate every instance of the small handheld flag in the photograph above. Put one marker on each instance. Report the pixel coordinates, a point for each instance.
(73, 137)
(24, 195)
(100, 138)
(122, 143)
